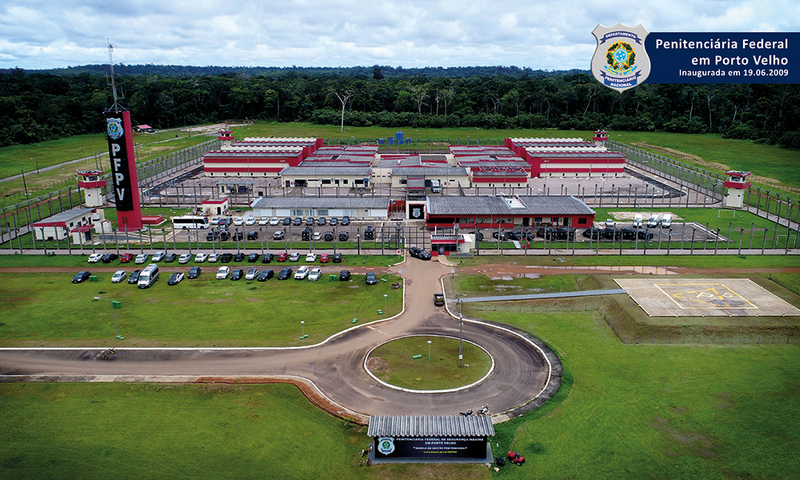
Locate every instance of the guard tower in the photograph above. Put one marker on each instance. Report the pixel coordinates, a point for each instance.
(736, 186)
(226, 137)
(89, 181)
(600, 138)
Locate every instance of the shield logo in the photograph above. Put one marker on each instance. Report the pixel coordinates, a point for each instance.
(620, 60)
(114, 128)
(416, 212)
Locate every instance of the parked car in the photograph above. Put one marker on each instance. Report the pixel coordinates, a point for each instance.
(337, 258)
(253, 257)
(343, 236)
(281, 257)
(321, 221)
(333, 221)
(170, 257)
(200, 257)
(317, 236)
(420, 253)
(297, 221)
(215, 220)
(224, 235)
(610, 223)
(294, 257)
(344, 275)
(127, 258)
(213, 258)
(311, 257)
(263, 222)
(628, 233)
(328, 236)
(250, 221)
(184, 258)
(438, 299)
(251, 274)
(478, 236)
(279, 235)
(305, 235)
(267, 258)
(274, 221)
(81, 276)
(223, 273)
(133, 278)
(287, 221)
(637, 220)
(345, 220)
(371, 279)
(666, 221)
(108, 257)
(302, 273)
(323, 258)
(265, 275)
(226, 257)
(194, 272)
(284, 273)
(158, 256)
(239, 221)
(612, 233)
(310, 221)
(95, 257)
(645, 235)
(654, 220)
(212, 235)
(239, 257)
(175, 278)
(118, 276)
(252, 235)
(141, 258)
(237, 274)
(369, 233)
(314, 274)
(592, 233)
(237, 235)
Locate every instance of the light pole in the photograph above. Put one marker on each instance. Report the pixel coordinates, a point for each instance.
(460, 333)
(116, 335)
(429, 350)
(303, 331)
(385, 299)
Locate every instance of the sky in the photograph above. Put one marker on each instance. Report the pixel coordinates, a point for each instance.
(556, 35)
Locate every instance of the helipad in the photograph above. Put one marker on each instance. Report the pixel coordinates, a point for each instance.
(702, 297)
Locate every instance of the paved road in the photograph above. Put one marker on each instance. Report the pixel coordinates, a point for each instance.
(335, 367)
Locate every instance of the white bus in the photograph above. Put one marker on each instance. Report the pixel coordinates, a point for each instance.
(190, 221)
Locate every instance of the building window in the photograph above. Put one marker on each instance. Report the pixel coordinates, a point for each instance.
(344, 181)
(582, 221)
(326, 182)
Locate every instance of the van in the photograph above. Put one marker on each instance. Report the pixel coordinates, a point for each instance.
(435, 186)
(666, 222)
(653, 221)
(637, 220)
(148, 276)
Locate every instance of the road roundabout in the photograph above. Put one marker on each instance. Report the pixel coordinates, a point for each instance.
(331, 374)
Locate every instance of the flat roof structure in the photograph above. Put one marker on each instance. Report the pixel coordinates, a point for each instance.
(500, 206)
(329, 202)
(427, 426)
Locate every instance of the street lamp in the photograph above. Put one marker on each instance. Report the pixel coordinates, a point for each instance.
(118, 337)
(429, 350)
(385, 299)
(303, 327)
(460, 332)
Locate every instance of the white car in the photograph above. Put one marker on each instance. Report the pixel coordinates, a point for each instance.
(118, 276)
(250, 221)
(666, 221)
(654, 220)
(301, 273)
(317, 236)
(239, 221)
(201, 257)
(311, 257)
(251, 274)
(215, 221)
(184, 258)
(263, 221)
(158, 256)
(95, 257)
(314, 275)
(274, 221)
(141, 258)
(223, 273)
(213, 258)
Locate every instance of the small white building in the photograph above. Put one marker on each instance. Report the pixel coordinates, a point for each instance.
(362, 208)
(77, 223)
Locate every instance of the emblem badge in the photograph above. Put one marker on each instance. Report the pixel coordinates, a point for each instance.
(620, 60)
(114, 128)
(386, 445)
(416, 212)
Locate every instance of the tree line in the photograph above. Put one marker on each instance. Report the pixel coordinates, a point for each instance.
(37, 106)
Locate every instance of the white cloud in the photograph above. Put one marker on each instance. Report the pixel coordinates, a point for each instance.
(552, 35)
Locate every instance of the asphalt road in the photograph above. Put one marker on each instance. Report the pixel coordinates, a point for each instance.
(336, 367)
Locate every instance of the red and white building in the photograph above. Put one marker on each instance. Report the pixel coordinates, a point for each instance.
(736, 186)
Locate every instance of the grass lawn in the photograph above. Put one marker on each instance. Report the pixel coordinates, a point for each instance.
(688, 261)
(47, 309)
(394, 363)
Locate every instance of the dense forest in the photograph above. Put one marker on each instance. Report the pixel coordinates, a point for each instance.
(37, 106)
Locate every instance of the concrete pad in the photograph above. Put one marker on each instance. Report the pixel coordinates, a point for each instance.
(703, 297)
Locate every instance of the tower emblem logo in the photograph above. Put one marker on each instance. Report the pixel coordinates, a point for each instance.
(114, 128)
(620, 60)
(386, 445)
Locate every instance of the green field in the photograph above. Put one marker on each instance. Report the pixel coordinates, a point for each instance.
(397, 366)
(201, 312)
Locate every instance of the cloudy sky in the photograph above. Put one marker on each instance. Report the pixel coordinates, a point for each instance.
(541, 35)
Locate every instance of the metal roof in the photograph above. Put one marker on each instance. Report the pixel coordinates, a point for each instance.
(310, 172)
(429, 171)
(321, 202)
(66, 215)
(430, 426)
(539, 205)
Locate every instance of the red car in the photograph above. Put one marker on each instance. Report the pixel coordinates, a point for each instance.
(323, 258)
(281, 257)
(126, 258)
